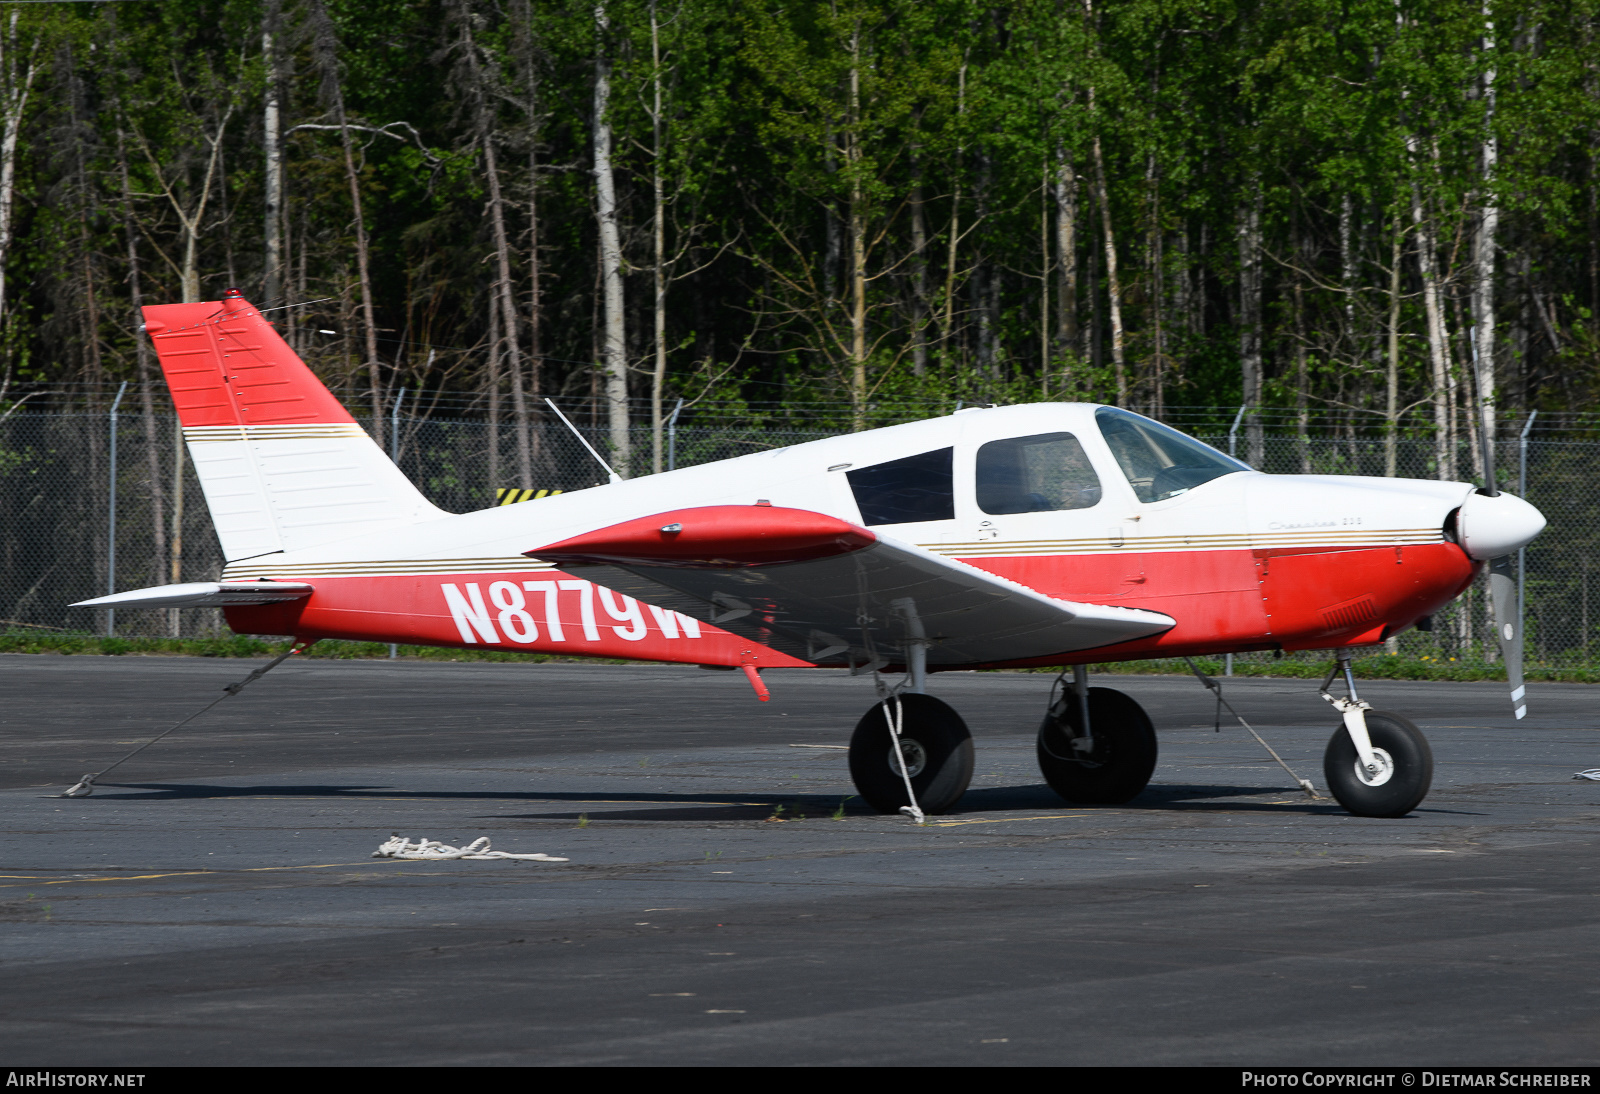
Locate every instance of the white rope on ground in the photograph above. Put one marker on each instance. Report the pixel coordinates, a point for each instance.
(398, 846)
(1593, 774)
(1304, 784)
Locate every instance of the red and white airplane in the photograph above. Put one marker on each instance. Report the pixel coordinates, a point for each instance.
(1054, 534)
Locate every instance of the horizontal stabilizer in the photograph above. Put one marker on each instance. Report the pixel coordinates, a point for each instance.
(829, 592)
(203, 594)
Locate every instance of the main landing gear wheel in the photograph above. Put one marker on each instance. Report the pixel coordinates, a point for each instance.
(937, 750)
(1122, 760)
(1405, 768)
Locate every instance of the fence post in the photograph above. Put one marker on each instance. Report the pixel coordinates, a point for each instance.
(394, 454)
(672, 437)
(111, 515)
(1522, 552)
(1233, 450)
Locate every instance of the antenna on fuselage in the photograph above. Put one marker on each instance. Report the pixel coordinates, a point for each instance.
(583, 441)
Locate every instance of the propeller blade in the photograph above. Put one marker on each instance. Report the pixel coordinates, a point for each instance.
(1508, 626)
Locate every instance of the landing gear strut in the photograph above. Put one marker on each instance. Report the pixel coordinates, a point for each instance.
(1377, 764)
(1105, 760)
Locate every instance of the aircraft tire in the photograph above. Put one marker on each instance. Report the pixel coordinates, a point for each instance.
(1124, 755)
(938, 748)
(1403, 784)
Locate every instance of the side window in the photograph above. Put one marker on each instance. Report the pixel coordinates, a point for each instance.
(904, 491)
(1040, 474)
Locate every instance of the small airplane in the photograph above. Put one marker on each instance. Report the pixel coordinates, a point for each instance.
(1050, 534)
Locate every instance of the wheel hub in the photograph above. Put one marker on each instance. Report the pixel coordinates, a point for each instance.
(1385, 768)
(914, 755)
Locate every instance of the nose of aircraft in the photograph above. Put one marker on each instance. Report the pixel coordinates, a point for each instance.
(1489, 527)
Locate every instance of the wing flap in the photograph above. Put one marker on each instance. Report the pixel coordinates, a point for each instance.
(833, 593)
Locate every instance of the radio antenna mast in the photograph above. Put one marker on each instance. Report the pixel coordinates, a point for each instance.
(583, 441)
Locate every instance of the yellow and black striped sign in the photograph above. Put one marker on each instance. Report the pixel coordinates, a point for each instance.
(510, 495)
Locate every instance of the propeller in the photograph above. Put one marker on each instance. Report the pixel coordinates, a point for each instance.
(1492, 528)
(1508, 626)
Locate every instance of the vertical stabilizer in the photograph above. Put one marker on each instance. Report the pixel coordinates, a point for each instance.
(283, 465)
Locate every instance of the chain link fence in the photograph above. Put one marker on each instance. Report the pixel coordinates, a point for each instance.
(57, 473)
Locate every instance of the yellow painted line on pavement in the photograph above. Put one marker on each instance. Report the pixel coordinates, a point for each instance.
(42, 879)
(1009, 820)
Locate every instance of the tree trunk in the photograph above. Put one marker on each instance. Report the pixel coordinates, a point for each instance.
(1066, 195)
(508, 310)
(658, 378)
(1438, 350)
(1157, 294)
(17, 89)
(1302, 373)
(493, 384)
(948, 318)
(522, 17)
(1484, 248)
(1250, 360)
(1046, 267)
(614, 346)
(919, 272)
(141, 359)
(858, 245)
(272, 140)
(1113, 286)
(327, 56)
(1391, 414)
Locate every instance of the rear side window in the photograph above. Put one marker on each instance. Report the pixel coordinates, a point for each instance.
(904, 491)
(1040, 474)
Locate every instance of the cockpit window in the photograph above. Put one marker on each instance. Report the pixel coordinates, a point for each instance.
(904, 491)
(1160, 462)
(1045, 473)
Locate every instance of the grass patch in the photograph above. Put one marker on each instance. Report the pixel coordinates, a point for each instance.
(1373, 667)
(1376, 666)
(239, 645)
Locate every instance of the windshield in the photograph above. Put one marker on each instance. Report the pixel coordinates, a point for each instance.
(1160, 462)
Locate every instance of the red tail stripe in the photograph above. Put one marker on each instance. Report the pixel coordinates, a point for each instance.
(239, 374)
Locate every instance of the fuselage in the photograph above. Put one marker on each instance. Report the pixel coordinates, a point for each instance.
(1243, 561)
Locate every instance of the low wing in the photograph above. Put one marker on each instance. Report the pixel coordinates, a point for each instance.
(832, 593)
(203, 594)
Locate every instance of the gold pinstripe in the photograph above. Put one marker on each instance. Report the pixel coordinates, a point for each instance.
(199, 434)
(252, 570)
(1366, 537)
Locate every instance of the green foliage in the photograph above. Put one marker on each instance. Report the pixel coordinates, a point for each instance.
(937, 156)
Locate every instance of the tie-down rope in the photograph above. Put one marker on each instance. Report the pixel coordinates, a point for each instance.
(85, 786)
(398, 846)
(896, 721)
(1304, 784)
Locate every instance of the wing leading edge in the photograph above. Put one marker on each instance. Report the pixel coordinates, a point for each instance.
(833, 593)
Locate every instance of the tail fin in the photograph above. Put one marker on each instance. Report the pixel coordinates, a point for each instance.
(283, 465)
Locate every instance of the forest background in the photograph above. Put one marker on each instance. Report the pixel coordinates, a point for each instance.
(822, 215)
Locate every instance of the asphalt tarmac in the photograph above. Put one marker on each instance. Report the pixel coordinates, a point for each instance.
(725, 901)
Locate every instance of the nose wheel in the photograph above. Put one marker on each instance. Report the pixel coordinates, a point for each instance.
(934, 744)
(1398, 776)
